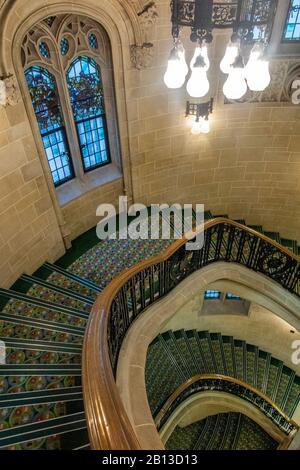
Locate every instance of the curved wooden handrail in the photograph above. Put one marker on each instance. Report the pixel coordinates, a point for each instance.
(198, 378)
(108, 424)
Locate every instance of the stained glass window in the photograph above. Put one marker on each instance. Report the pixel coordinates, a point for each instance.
(45, 100)
(87, 100)
(93, 41)
(64, 46)
(212, 294)
(292, 26)
(44, 50)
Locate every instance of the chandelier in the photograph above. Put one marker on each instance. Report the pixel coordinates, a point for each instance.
(251, 22)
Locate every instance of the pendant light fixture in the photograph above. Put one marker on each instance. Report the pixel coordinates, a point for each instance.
(177, 67)
(257, 70)
(201, 111)
(198, 84)
(235, 86)
(231, 54)
(251, 22)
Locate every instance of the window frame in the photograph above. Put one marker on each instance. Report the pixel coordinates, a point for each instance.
(103, 116)
(62, 128)
(66, 142)
(285, 40)
(84, 179)
(278, 47)
(212, 295)
(99, 165)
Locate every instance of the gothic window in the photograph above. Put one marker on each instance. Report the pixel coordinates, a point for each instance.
(68, 72)
(292, 25)
(87, 100)
(45, 100)
(93, 41)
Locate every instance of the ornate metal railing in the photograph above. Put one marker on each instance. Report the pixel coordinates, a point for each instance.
(135, 289)
(221, 383)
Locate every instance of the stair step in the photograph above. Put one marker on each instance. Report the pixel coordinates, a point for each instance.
(32, 280)
(25, 370)
(241, 221)
(38, 345)
(273, 235)
(84, 447)
(38, 397)
(220, 216)
(189, 353)
(68, 274)
(43, 324)
(42, 429)
(290, 244)
(14, 295)
(208, 215)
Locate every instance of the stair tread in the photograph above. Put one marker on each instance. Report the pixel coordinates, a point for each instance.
(224, 355)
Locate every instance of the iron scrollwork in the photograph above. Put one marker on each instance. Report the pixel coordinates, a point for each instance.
(227, 386)
(224, 14)
(251, 21)
(222, 242)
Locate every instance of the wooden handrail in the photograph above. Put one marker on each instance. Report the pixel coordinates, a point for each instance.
(108, 424)
(202, 377)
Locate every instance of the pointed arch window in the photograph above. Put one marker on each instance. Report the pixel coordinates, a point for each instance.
(292, 24)
(44, 96)
(87, 100)
(68, 68)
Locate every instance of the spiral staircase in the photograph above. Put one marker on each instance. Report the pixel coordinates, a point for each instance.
(42, 323)
(225, 431)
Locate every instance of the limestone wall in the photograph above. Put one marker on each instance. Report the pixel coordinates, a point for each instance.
(29, 230)
(247, 167)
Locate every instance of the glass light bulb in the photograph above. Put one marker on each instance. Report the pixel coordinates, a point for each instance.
(175, 74)
(196, 129)
(205, 126)
(204, 53)
(198, 84)
(229, 57)
(196, 53)
(235, 86)
(250, 69)
(181, 53)
(258, 75)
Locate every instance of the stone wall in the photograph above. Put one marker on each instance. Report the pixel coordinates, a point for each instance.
(80, 214)
(29, 231)
(247, 167)
(268, 327)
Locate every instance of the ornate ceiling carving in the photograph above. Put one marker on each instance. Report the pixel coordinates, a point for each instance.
(142, 54)
(9, 91)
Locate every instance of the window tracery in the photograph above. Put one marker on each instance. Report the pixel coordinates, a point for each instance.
(63, 59)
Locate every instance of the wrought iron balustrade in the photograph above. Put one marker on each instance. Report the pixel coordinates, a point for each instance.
(145, 283)
(223, 241)
(219, 383)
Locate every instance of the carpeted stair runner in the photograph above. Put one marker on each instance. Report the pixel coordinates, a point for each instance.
(42, 323)
(175, 357)
(226, 431)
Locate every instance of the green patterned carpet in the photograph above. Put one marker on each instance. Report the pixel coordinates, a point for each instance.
(101, 264)
(227, 431)
(41, 336)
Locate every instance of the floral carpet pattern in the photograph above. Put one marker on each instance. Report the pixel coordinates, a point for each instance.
(99, 264)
